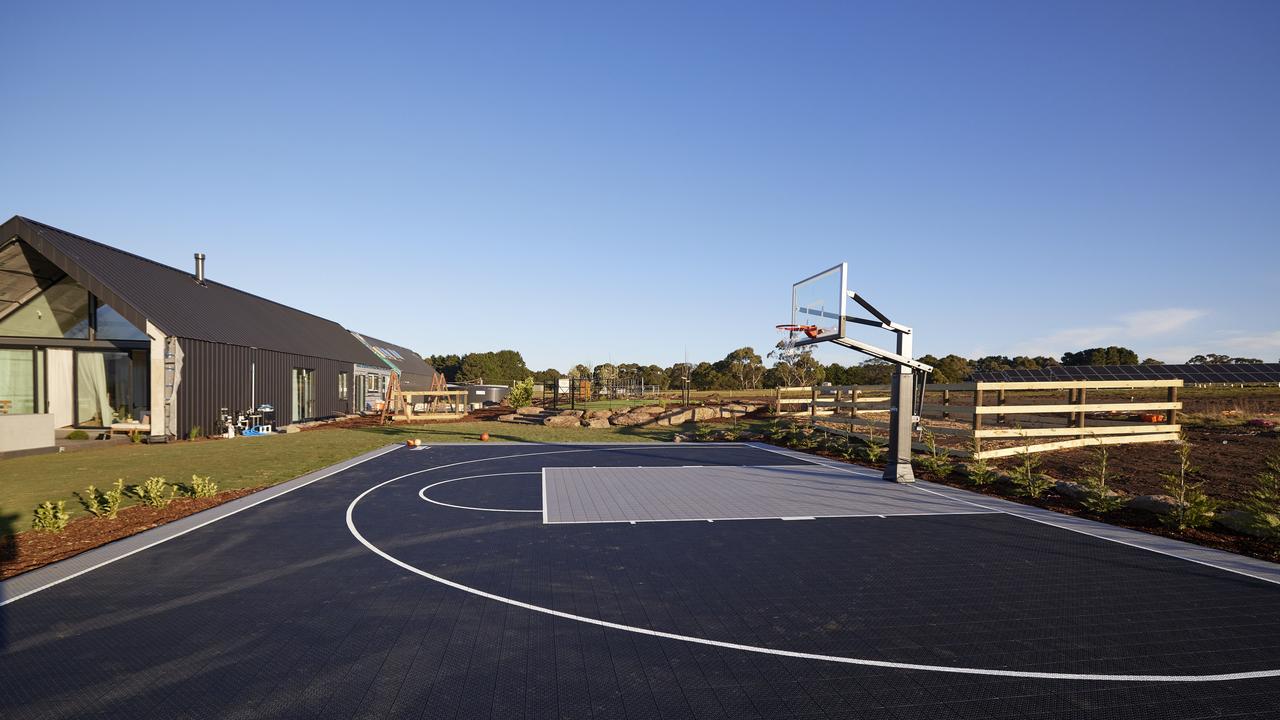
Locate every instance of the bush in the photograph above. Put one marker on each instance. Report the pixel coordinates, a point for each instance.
(152, 492)
(979, 469)
(103, 504)
(1263, 499)
(702, 432)
(202, 487)
(521, 394)
(937, 462)
(873, 449)
(1027, 477)
(77, 435)
(1192, 507)
(194, 432)
(50, 517)
(135, 437)
(1098, 497)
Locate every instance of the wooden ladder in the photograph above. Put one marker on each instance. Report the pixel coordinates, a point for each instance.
(393, 388)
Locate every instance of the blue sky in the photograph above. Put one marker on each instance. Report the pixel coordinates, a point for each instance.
(610, 181)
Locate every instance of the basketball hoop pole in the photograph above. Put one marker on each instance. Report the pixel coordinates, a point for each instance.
(901, 400)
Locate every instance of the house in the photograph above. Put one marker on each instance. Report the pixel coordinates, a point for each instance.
(96, 337)
(415, 373)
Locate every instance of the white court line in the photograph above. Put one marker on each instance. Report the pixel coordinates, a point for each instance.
(423, 494)
(148, 546)
(1043, 521)
(543, 473)
(760, 517)
(754, 648)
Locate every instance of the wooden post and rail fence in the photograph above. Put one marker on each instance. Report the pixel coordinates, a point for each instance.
(1022, 411)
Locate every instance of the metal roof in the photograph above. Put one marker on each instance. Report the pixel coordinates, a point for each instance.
(144, 290)
(415, 373)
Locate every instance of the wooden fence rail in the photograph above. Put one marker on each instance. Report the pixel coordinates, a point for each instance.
(1019, 412)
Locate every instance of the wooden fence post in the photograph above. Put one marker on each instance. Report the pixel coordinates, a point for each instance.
(856, 393)
(813, 402)
(1000, 401)
(977, 419)
(1172, 414)
(1080, 395)
(946, 402)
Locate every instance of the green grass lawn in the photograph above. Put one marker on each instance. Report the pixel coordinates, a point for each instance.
(26, 482)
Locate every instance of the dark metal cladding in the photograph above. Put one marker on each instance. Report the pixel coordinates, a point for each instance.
(142, 289)
(216, 376)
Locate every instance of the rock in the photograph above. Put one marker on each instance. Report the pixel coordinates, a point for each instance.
(1156, 504)
(705, 413)
(529, 410)
(649, 410)
(631, 419)
(596, 422)
(597, 414)
(572, 413)
(290, 429)
(675, 417)
(511, 417)
(740, 408)
(561, 421)
(1244, 523)
(678, 438)
(1072, 490)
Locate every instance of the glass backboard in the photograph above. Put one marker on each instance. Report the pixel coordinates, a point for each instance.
(820, 301)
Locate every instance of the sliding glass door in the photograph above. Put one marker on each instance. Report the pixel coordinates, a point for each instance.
(111, 387)
(304, 394)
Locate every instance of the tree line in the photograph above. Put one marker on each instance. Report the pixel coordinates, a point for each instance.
(744, 368)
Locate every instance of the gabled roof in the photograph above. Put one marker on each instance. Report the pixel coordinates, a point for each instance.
(415, 373)
(144, 290)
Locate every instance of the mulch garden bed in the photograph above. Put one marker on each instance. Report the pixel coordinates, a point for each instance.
(32, 549)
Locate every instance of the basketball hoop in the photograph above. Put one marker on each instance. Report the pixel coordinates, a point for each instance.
(809, 330)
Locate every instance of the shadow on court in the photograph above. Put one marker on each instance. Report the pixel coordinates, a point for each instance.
(8, 551)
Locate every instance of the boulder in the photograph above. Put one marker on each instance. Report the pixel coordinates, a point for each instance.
(529, 410)
(1073, 490)
(596, 422)
(675, 417)
(1244, 522)
(573, 413)
(678, 438)
(649, 410)
(631, 419)
(705, 413)
(599, 414)
(1155, 504)
(510, 417)
(561, 421)
(740, 408)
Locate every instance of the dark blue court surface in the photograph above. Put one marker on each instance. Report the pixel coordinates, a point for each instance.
(509, 581)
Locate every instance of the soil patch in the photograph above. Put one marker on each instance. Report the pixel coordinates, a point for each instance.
(32, 549)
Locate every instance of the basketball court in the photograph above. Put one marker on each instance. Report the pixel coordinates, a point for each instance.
(646, 580)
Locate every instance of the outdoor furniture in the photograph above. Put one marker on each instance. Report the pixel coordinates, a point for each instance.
(129, 428)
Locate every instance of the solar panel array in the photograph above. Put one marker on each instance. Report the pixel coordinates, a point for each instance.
(1207, 373)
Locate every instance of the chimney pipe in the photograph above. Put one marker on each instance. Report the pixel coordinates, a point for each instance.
(200, 268)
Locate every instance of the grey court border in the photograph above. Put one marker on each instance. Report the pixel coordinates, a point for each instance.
(1214, 558)
(33, 581)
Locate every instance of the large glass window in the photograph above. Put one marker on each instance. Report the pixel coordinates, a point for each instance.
(17, 381)
(344, 387)
(111, 325)
(59, 311)
(111, 387)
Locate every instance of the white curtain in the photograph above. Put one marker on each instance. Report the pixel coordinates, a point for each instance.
(61, 404)
(91, 375)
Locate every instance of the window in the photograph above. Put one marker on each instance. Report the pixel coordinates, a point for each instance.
(17, 381)
(111, 325)
(344, 387)
(58, 311)
(111, 387)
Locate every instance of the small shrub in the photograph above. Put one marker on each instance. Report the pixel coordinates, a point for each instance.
(194, 432)
(1192, 507)
(135, 437)
(873, 448)
(202, 487)
(775, 430)
(77, 435)
(521, 394)
(1263, 499)
(1027, 477)
(936, 461)
(1098, 497)
(50, 518)
(702, 432)
(152, 492)
(979, 469)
